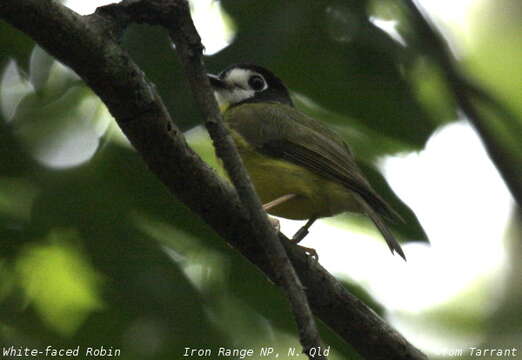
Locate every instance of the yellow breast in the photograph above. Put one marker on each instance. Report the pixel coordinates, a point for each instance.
(273, 178)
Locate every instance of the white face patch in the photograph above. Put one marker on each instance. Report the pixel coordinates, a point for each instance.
(238, 88)
(232, 96)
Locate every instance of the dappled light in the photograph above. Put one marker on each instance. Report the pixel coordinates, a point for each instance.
(57, 118)
(95, 250)
(59, 282)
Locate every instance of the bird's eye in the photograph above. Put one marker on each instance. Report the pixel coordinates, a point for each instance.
(256, 82)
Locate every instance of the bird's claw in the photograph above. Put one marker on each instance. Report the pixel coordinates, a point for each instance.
(310, 252)
(275, 223)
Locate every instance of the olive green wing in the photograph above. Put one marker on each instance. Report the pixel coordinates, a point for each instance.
(283, 132)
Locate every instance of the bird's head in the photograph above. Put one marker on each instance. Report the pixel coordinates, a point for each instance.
(246, 83)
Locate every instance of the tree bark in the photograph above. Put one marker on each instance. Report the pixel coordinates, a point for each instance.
(88, 46)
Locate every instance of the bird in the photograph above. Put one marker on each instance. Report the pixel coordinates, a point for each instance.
(299, 167)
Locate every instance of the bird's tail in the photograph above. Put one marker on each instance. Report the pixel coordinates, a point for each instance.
(383, 228)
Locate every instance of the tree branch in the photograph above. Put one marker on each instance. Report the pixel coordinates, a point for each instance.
(465, 92)
(175, 16)
(87, 45)
(191, 58)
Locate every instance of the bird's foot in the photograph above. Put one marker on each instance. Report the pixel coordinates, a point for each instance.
(275, 223)
(310, 252)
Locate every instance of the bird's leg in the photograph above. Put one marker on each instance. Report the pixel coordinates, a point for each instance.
(278, 201)
(302, 232)
(300, 235)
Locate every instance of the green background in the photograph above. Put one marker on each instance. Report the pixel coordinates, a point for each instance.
(93, 249)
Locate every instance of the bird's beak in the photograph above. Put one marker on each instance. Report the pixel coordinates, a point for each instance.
(216, 82)
(219, 86)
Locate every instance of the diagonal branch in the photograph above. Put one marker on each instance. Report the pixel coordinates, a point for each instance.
(191, 58)
(87, 45)
(468, 95)
(175, 16)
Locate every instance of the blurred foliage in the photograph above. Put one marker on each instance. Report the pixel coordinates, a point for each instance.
(94, 250)
(55, 277)
(15, 44)
(351, 65)
(501, 71)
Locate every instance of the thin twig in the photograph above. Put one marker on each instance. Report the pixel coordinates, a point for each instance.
(83, 44)
(189, 50)
(175, 16)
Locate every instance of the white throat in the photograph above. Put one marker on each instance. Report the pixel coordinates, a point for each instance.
(228, 97)
(238, 89)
